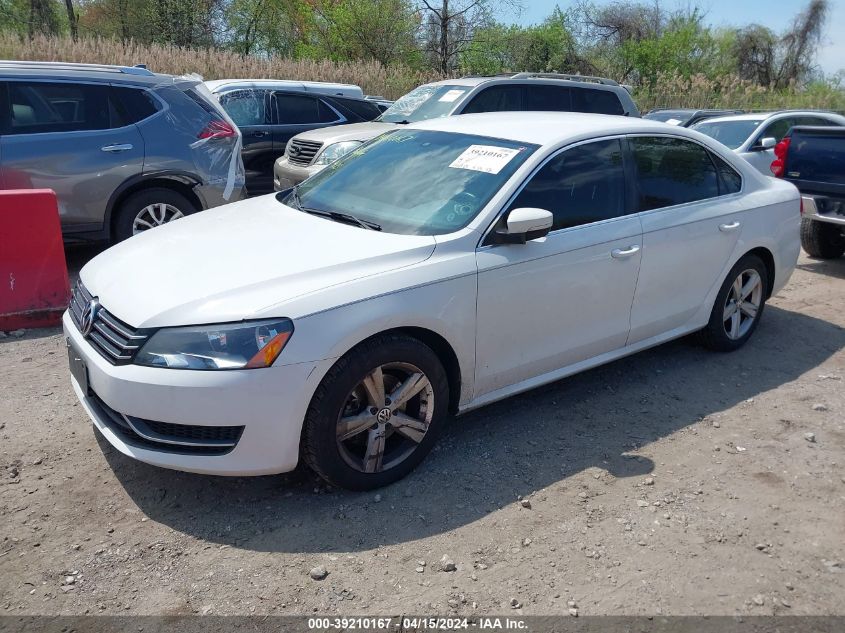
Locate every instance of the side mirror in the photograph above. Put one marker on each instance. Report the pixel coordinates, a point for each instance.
(767, 143)
(524, 224)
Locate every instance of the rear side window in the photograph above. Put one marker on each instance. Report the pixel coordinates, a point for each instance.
(133, 104)
(496, 99)
(326, 113)
(729, 180)
(548, 98)
(245, 107)
(672, 171)
(367, 110)
(581, 185)
(38, 107)
(596, 101)
(294, 109)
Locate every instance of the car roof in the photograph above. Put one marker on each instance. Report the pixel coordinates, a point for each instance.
(546, 128)
(216, 84)
(762, 116)
(529, 78)
(99, 72)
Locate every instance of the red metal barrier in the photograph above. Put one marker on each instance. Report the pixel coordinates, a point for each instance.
(34, 289)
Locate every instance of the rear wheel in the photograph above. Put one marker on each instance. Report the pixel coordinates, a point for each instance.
(738, 306)
(822, 239)
(149, 208)
(376, 414)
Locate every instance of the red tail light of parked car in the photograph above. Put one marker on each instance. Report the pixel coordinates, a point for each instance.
(779, 163)
(217, 128)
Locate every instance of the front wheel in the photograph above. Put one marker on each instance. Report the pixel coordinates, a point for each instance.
(738, 307)
(376, 414)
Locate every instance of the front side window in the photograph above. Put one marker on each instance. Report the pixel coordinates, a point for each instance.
(496, 99)
(245, 107)
(425, 102)
(777, 129)
(58, 107)
(672, 171)
(580, 185)
(415, 182)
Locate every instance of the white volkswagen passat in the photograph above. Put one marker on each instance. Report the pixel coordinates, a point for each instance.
(438, 268)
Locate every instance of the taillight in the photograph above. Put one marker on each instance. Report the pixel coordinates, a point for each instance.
(779, 164)
(217, 128)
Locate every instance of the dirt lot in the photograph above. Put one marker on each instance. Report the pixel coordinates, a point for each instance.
(677, 481)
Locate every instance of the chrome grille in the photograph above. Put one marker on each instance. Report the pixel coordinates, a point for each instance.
(303, 152)
(116, 341)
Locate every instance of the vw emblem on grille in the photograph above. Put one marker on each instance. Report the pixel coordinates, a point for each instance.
(294, 150)
(89, 315)
(384, 415)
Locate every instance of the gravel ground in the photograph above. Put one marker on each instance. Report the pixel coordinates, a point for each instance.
(676, 481)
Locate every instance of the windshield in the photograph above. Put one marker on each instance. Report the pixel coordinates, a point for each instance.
(674, 117)
(425, 102)
(414, 182)
(730, 133)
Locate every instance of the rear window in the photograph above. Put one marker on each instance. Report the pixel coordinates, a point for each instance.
(817, 157)
(596, 101)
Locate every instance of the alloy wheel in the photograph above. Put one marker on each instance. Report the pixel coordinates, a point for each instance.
(385, 417)
(742, 304)
(154, 215)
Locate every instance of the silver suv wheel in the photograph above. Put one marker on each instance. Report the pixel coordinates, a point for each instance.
(154, 215)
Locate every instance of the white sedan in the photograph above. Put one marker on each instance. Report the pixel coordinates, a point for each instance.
(441, 267)
(754, 136)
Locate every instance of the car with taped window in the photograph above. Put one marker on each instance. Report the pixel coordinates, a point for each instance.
(125, 149)
(443, 266)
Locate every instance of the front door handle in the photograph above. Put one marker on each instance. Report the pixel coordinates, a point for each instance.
(259, 133)
(727, 228)
(620, 253)
(117, 147)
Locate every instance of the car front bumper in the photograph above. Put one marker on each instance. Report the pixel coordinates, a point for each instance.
(269, 404)
(287, 175)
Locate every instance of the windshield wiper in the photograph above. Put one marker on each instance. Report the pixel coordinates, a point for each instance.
(337, 216)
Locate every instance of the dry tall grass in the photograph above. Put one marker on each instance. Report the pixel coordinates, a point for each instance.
(393, 81)
(732, 92)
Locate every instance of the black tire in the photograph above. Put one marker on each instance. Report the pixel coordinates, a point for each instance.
(715, 335)
(821, 239)
(132, 206)
(320, 447)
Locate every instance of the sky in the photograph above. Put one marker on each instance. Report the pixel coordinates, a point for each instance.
(775, 14)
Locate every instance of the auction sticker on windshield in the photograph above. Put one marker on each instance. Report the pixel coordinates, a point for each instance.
(451, 95)
(487, 158)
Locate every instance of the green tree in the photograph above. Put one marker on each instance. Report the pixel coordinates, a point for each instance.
(381, 30)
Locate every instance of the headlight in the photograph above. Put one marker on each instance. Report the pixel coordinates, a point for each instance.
(246, 345)
(335, 151)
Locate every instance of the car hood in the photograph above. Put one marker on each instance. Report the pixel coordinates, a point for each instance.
(350, 132)
(249, 259)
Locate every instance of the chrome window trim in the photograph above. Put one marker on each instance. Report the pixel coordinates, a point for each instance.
(557, 152)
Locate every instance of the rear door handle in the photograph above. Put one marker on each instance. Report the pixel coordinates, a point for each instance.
(117, 147)
(259, 134)
(727, 228)
(619, 253)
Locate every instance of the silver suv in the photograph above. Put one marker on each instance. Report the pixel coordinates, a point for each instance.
(124, 149)
(309, 152)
